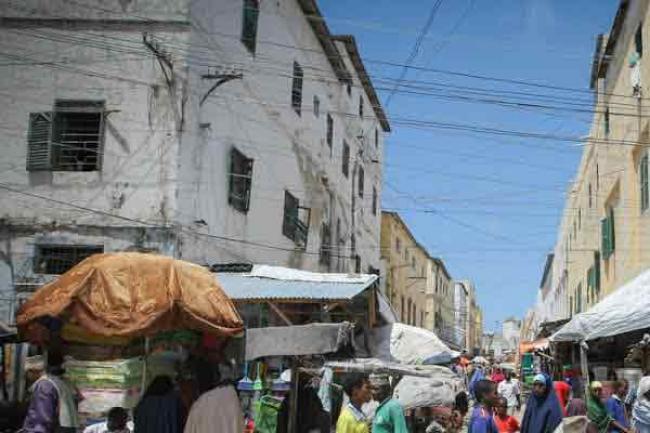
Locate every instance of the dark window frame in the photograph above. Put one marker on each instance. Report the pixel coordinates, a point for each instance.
(375, 200)
(250, 20)
(361, 106)
(296, 88)
(292, 226)
(345, 159)
(69, 139)
(330, 132)
(361, 181)
(56, 261)
(240, 180)
(316, 107)
(638, 40)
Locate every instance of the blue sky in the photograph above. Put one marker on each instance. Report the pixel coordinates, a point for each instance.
(488, 205)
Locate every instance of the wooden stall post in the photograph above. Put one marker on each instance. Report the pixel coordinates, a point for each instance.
(293, 403)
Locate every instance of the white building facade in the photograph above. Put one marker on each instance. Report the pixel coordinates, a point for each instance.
(212, 131)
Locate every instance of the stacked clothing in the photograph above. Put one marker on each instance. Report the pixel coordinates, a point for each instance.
(105, 384)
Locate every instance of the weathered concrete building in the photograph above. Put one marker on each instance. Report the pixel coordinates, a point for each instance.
(605, 227)
(212, 131)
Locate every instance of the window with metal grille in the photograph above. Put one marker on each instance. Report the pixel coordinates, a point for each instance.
(70, 138)
(325, 245)
(292, 226)
(330, 131)
(249, 24)
(58, 259)
(345, 163)
(296, 88)
(240, 180)
(361, 181)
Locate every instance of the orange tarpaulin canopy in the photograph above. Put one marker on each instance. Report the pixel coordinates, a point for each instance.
(131, 295)
(531, 346)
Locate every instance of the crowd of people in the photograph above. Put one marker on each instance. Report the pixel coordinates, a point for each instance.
(498, 401)
(497, 405)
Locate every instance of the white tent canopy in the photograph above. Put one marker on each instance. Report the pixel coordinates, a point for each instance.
(409, 345)
(623, 311)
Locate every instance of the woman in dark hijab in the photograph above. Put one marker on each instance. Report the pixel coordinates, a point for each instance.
(160, 410)
(543, 413)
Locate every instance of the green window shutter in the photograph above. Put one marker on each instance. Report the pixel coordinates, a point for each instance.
(39, 142)
(249, 24)
(604, 235)
(597, 272)
(643, 178)
(612, 231)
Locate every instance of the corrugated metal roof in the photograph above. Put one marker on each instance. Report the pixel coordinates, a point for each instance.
(247, 287)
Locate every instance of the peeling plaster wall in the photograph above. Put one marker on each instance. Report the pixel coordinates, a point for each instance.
(84, 58)
(290, 151)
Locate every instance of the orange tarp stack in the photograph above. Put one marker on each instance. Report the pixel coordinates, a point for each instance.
(131, 295)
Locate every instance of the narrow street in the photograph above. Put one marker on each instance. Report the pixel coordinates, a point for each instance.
(324, 216)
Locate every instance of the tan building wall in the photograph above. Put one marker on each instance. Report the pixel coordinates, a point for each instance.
(408, 271)
(610, 178)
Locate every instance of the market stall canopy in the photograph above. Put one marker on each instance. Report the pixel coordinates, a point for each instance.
(622, 311)
(406, 344)
(269, 283)
(312, 339)
(372, 365)
(532, 346)
(130, 295)
(413, 392)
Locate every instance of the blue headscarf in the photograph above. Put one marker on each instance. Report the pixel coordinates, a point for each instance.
(543, 413)
(478, 375)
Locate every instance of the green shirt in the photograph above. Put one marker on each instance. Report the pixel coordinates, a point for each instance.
(389, 418)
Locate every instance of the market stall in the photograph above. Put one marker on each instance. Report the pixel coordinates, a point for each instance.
(123, 318)
(605, 334)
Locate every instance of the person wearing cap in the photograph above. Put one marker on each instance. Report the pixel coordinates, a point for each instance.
(543, 413)
(597, 412)
(53, 406)
(389, 417)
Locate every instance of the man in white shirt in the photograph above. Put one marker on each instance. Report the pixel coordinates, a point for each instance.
(509, 389)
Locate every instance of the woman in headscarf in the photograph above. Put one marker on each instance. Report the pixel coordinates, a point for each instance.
(543, 413)
(160, 410)
(597, 412)
(641, 408)
(477, 376)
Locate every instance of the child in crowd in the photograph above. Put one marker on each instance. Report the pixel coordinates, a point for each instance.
(505, 423)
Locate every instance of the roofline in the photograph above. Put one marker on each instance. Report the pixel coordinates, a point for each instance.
(547, 267)
(318, 25)
(355, 57)
(615, 32)
(595, 63)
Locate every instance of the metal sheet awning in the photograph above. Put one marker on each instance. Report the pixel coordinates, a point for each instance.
(298, 340)
(624, 310)
(273, 283)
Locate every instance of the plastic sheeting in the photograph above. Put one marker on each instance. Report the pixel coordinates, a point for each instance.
(129, 295)
(409, 345)
(623, 311)
(414, 392)
(313, 339)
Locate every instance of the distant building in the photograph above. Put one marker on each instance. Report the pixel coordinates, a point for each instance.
(418, 286)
